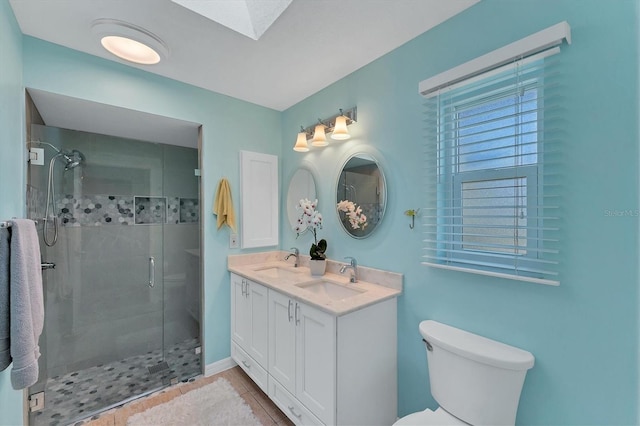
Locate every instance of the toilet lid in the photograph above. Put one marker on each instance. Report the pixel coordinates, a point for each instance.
(428, 417)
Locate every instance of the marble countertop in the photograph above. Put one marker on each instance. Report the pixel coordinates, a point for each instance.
(270, 270)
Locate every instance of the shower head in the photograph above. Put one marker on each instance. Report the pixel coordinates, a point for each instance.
(74, 158)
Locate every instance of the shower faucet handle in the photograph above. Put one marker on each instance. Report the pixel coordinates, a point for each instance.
(47, 265)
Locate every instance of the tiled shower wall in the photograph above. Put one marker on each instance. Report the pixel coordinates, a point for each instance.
(99, 306)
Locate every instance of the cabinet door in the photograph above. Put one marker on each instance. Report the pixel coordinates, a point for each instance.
(259, 199)
(240, 312)
(282, 335)
(259, 305)
(316, 361)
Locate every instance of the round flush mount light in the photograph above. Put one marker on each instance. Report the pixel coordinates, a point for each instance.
(129, 42)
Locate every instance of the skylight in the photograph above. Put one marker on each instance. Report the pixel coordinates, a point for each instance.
(251, 18)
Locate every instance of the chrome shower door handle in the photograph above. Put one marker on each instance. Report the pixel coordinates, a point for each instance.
(152, 272)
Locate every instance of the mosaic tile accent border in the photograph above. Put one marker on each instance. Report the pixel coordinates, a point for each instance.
(97, 210)
(173, 210)
(189, 210)
(150, 210)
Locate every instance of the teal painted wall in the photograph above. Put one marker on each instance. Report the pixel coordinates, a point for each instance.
(12, 161)
(584, 334)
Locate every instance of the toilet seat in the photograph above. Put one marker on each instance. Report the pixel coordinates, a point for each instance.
(428, 417)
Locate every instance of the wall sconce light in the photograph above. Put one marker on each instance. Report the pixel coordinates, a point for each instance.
(336, 125)
(301, 142)
(340, 131)
(319, 137)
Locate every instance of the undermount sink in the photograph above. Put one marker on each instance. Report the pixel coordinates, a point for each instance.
(330, 290)
(278, 272)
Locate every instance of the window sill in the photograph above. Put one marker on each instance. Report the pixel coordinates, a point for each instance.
(495, 274)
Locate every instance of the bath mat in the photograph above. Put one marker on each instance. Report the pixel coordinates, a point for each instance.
(217, 403)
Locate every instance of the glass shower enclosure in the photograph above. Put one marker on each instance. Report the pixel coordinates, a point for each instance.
(122, 305)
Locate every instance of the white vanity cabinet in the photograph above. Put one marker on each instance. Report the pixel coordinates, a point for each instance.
(249, 320)
(302, 359)
(318, 366)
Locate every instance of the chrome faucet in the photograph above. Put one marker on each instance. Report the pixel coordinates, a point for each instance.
(295, 253)
(353, 265)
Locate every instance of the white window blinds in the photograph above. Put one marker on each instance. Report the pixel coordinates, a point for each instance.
(493, 171)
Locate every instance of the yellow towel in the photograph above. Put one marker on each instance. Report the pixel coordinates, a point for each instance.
(223, 205)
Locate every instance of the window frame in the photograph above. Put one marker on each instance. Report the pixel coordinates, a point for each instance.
(452, 179)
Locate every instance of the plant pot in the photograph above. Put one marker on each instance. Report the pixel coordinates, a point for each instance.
(317, 267)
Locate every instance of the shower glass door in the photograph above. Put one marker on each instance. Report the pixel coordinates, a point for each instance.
(116, 310)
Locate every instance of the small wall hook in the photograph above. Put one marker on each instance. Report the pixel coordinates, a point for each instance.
(412, 213)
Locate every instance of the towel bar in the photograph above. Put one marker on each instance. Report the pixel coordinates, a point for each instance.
(5, 224)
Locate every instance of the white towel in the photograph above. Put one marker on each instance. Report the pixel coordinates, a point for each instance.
(26, 305)
(5, 354)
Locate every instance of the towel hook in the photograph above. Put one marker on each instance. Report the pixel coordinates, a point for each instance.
(412, 213)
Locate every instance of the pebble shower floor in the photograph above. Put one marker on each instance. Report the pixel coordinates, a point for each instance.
(74, 396)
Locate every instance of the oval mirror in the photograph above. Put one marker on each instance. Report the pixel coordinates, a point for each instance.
(361, 195)
(302, 185)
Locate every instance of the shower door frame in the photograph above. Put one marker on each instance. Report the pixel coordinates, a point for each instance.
(199, 286)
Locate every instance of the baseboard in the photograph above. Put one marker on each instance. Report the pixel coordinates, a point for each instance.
(219, 366)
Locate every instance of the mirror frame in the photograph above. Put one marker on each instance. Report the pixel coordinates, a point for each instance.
(373, 158)
(301, 167)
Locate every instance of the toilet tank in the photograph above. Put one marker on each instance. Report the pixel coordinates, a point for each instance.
(476, 379)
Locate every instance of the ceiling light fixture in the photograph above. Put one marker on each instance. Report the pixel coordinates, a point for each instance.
(129, 42)
(336, 125)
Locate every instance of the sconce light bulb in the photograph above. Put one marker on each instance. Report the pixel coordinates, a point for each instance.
(319, 138)
(340, 131)
(301, 143)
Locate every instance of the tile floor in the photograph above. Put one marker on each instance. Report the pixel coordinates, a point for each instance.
(76, 395)
(263, 408)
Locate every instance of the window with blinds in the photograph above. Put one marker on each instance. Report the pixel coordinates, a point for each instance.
(492, 151)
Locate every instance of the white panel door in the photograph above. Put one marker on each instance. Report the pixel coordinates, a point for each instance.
(259, 199)
(259, 305)
(316, 361)
(282, 335)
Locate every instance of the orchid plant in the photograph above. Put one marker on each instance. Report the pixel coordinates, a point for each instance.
(310, 218)
(353, 213)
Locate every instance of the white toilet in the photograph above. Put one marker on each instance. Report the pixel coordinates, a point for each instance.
(475, 380)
